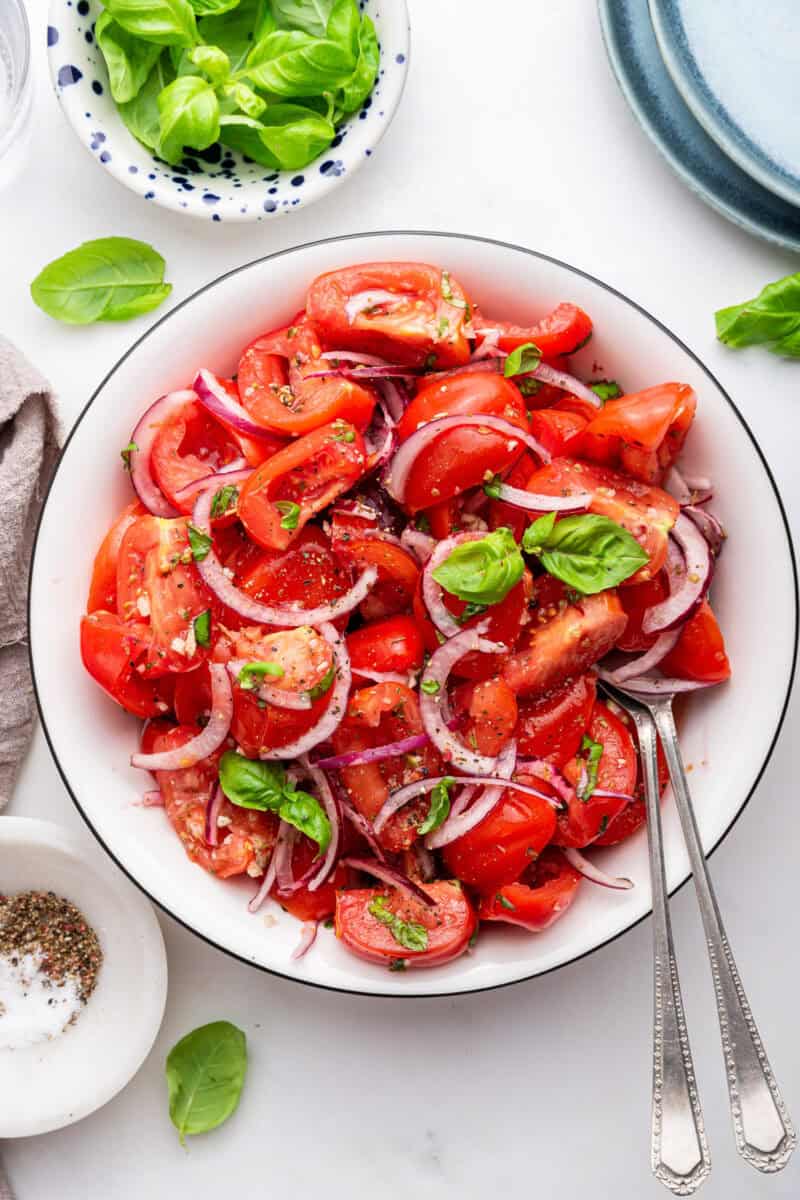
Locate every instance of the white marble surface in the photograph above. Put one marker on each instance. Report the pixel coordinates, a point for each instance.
(511, 127)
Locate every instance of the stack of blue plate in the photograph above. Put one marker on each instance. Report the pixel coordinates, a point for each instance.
(716, 85)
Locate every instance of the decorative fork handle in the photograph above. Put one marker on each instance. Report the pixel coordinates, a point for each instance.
(679, 1151)
(765, 1136)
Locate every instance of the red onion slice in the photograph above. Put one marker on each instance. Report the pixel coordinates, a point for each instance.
(142, 439)
(420, 544)
(284, 853)
(215, 578)
(485, 803)
(279, 697)
(369, 299)
(408, 680)
(393, 399)
(432, 592)
(687, 586)
(206, 742)
(488, 347)
(426, 864)
(359, 758)
(213, 809)
(541, 769)
(394, 878)
(152, 799)
(337, 705)
(400, 468)
(355, 356)
(645, 662)
(362, 826)
(216, 400)
(371, 374)
(269, 875)
(590, 871)
(540, 503)
(686, 490)
(434, 719)
(308, 936)
(709, 526)
(334, 815)
(235, 472)
(569, 383)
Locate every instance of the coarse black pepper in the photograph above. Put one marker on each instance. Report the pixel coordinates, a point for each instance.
(51, 927)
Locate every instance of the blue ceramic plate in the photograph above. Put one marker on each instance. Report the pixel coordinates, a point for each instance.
(657, 105)
(736, 65)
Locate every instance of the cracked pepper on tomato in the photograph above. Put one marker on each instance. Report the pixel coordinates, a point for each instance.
(365, 596)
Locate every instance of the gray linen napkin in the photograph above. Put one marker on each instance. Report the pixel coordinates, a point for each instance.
(30, 434)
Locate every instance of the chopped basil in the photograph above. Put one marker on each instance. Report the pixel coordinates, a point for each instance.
(252, 672)
(591, 753)
(504, 902)
(589, 553)
(397, 964)
(430, 687)
(472, 610)
(410, 934)
(439, 809)
(319, 689)
(423, 523)
(199, 542)
(291, 513)
(483, 571)
(492, 487)
(202, 628)
(264, 786)
(529, 387)
(224, 500)
(447, 293)
(125, 454)
(522, 360)
(606, 389)
(443, 327)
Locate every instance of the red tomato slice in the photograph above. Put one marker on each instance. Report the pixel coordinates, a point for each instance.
(552, 726)
(644, 432)
(633, 816)
(450, 924)
(538, 903)
(636, 600)
(391, 645)
(398, 574)
(491, 708)
(306, 574)
(417, 315)
(278, 387)
(699, 652)
(499, 848)
(300, 481)
(505, 620)
(648, 513)
(563, 331)
(570, 643)
(103, 588)
(617, 772)
(557, 430)
(461, 458)
(112, 650)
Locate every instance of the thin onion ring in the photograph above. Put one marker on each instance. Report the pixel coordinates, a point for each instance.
(334, 712)
(207, 741)
(143, 437)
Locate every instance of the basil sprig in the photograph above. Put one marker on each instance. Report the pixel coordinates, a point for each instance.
(484, 571)
(265, 787)
(771, 320)
(108, 279)
(205, 1077)
(589, 553)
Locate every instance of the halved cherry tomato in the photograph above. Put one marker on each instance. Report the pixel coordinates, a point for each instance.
(391, 645)
(648, 513)
(552, 726)
(699, 652)
(406, 312)
(103, 588)
(499, 848)
(636, 600)
(565, 646)
(562, 331)
(504, 619)
(546, 895)
(643, 432)
(246, 835)
(491, 708)
(450, 924)
(461, 458)
(113, 651)
(617, 772)
(280, 388)
(387, 712)
(299, 481)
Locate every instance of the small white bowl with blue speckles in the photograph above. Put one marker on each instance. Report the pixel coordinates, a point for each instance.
(218, 184)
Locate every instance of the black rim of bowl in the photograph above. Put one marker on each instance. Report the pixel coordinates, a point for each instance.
(412, 233)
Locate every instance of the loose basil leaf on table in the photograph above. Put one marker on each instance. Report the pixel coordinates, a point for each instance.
(189, 114)
(129, 59)
(205, 1076)
(108, 279)
(264, 786)
(484, 571)
(589, 553)
(168, 22)
(771, 320)
(290, 63)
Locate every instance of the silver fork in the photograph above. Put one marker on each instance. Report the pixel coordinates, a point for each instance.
(764, 1132)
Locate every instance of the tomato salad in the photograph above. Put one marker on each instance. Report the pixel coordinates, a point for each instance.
(362, 597)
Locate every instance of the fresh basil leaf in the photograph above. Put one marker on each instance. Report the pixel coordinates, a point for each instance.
(409, 934)
(590, 752)
(237, 32)
(294, 135)
(168, 22)
(343, 25)
(306, 814)
(251, 104)
(772, 320)
(242, 134)
(324, 685)
(430, 687)
(213, 61)
(291, 513)
(205, 1076)
(200, 543)
(482, 571)
(125, 455)
(212, 8)
(202, 628)
(141, 114)
(504, 902)
(290, 63)
(606, 389)
(309, 15)
(129, 60)
(439, 809)
(589, 553)
(492, 487)
(224, 500)
(189, 114)
(264, 786)
(525, 358)
(109, 279)
(250, 674)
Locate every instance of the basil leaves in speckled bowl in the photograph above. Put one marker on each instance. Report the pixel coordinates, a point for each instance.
(229, 110)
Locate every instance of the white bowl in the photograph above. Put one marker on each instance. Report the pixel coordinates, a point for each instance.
(728, 734)
(228, 189)
(52, 1084)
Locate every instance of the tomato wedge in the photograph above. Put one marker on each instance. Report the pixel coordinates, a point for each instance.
(449, 924)
(504, 626)
(407, 312)
(552, 726)
(563, 331)
(112, 651)
(499, 848)
(617, 772)
(103, 588)
(551, 887)
(644, 432)
(699, 652)
(491, 709)
(398, 573)
(391, 645)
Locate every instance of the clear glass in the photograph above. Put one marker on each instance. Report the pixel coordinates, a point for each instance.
(15, 86)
